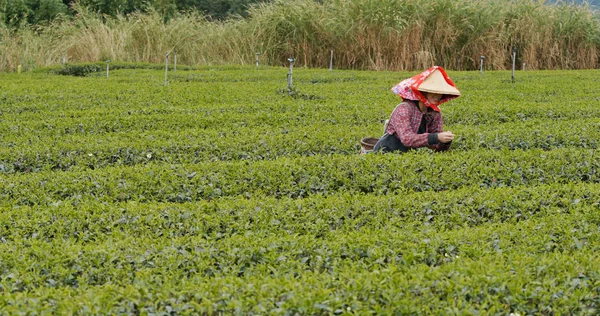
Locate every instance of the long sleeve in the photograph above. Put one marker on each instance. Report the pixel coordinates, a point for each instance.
(435, 127)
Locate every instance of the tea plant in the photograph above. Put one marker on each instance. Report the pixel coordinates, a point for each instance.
(216, 194)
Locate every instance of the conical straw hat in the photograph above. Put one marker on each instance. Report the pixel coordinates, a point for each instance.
(435, 83)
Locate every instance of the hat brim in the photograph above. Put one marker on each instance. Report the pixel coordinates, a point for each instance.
(437, 82)
(413, 88)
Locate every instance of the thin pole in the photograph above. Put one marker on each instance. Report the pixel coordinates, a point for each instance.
(166, 67)
(290, 85)
(481, 65)
(331, 61)
(514, 58)
(256, 59)
(523, 66)
(175, 62)
(107, 62)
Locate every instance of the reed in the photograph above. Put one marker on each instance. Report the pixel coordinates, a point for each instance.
(364, 34)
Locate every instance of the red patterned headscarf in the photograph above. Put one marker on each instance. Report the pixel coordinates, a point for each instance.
(408, 89)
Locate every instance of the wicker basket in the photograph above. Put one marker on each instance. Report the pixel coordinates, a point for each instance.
(367, 144)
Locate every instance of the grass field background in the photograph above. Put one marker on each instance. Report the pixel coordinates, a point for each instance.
(221, 193)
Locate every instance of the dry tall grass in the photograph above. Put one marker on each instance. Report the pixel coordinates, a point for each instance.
(364, 34)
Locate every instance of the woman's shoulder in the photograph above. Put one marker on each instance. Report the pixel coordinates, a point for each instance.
(406, 105)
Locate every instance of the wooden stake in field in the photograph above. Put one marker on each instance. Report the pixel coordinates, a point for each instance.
(514, 58)
(256, 59)
(290, 85)
(481, 65)
(166, 67)
(523, 66)
(107, 62)
(64, 59)
(331, 62)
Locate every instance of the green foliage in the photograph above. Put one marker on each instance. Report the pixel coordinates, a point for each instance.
(113, 7)
(217, 194)
(45, 11)
(80, 70)
(16, 12)
(36, 12)
(219, 9)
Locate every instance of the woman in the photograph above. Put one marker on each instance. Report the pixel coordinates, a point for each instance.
(417, 122)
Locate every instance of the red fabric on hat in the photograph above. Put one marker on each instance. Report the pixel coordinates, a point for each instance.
(408, 89)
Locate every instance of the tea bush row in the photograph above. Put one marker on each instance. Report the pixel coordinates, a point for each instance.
(195, 146)
(88, 220)
(306, 176)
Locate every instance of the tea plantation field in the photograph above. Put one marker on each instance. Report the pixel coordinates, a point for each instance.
(222, 194)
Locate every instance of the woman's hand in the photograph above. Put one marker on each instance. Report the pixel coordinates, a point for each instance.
(445, 137)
